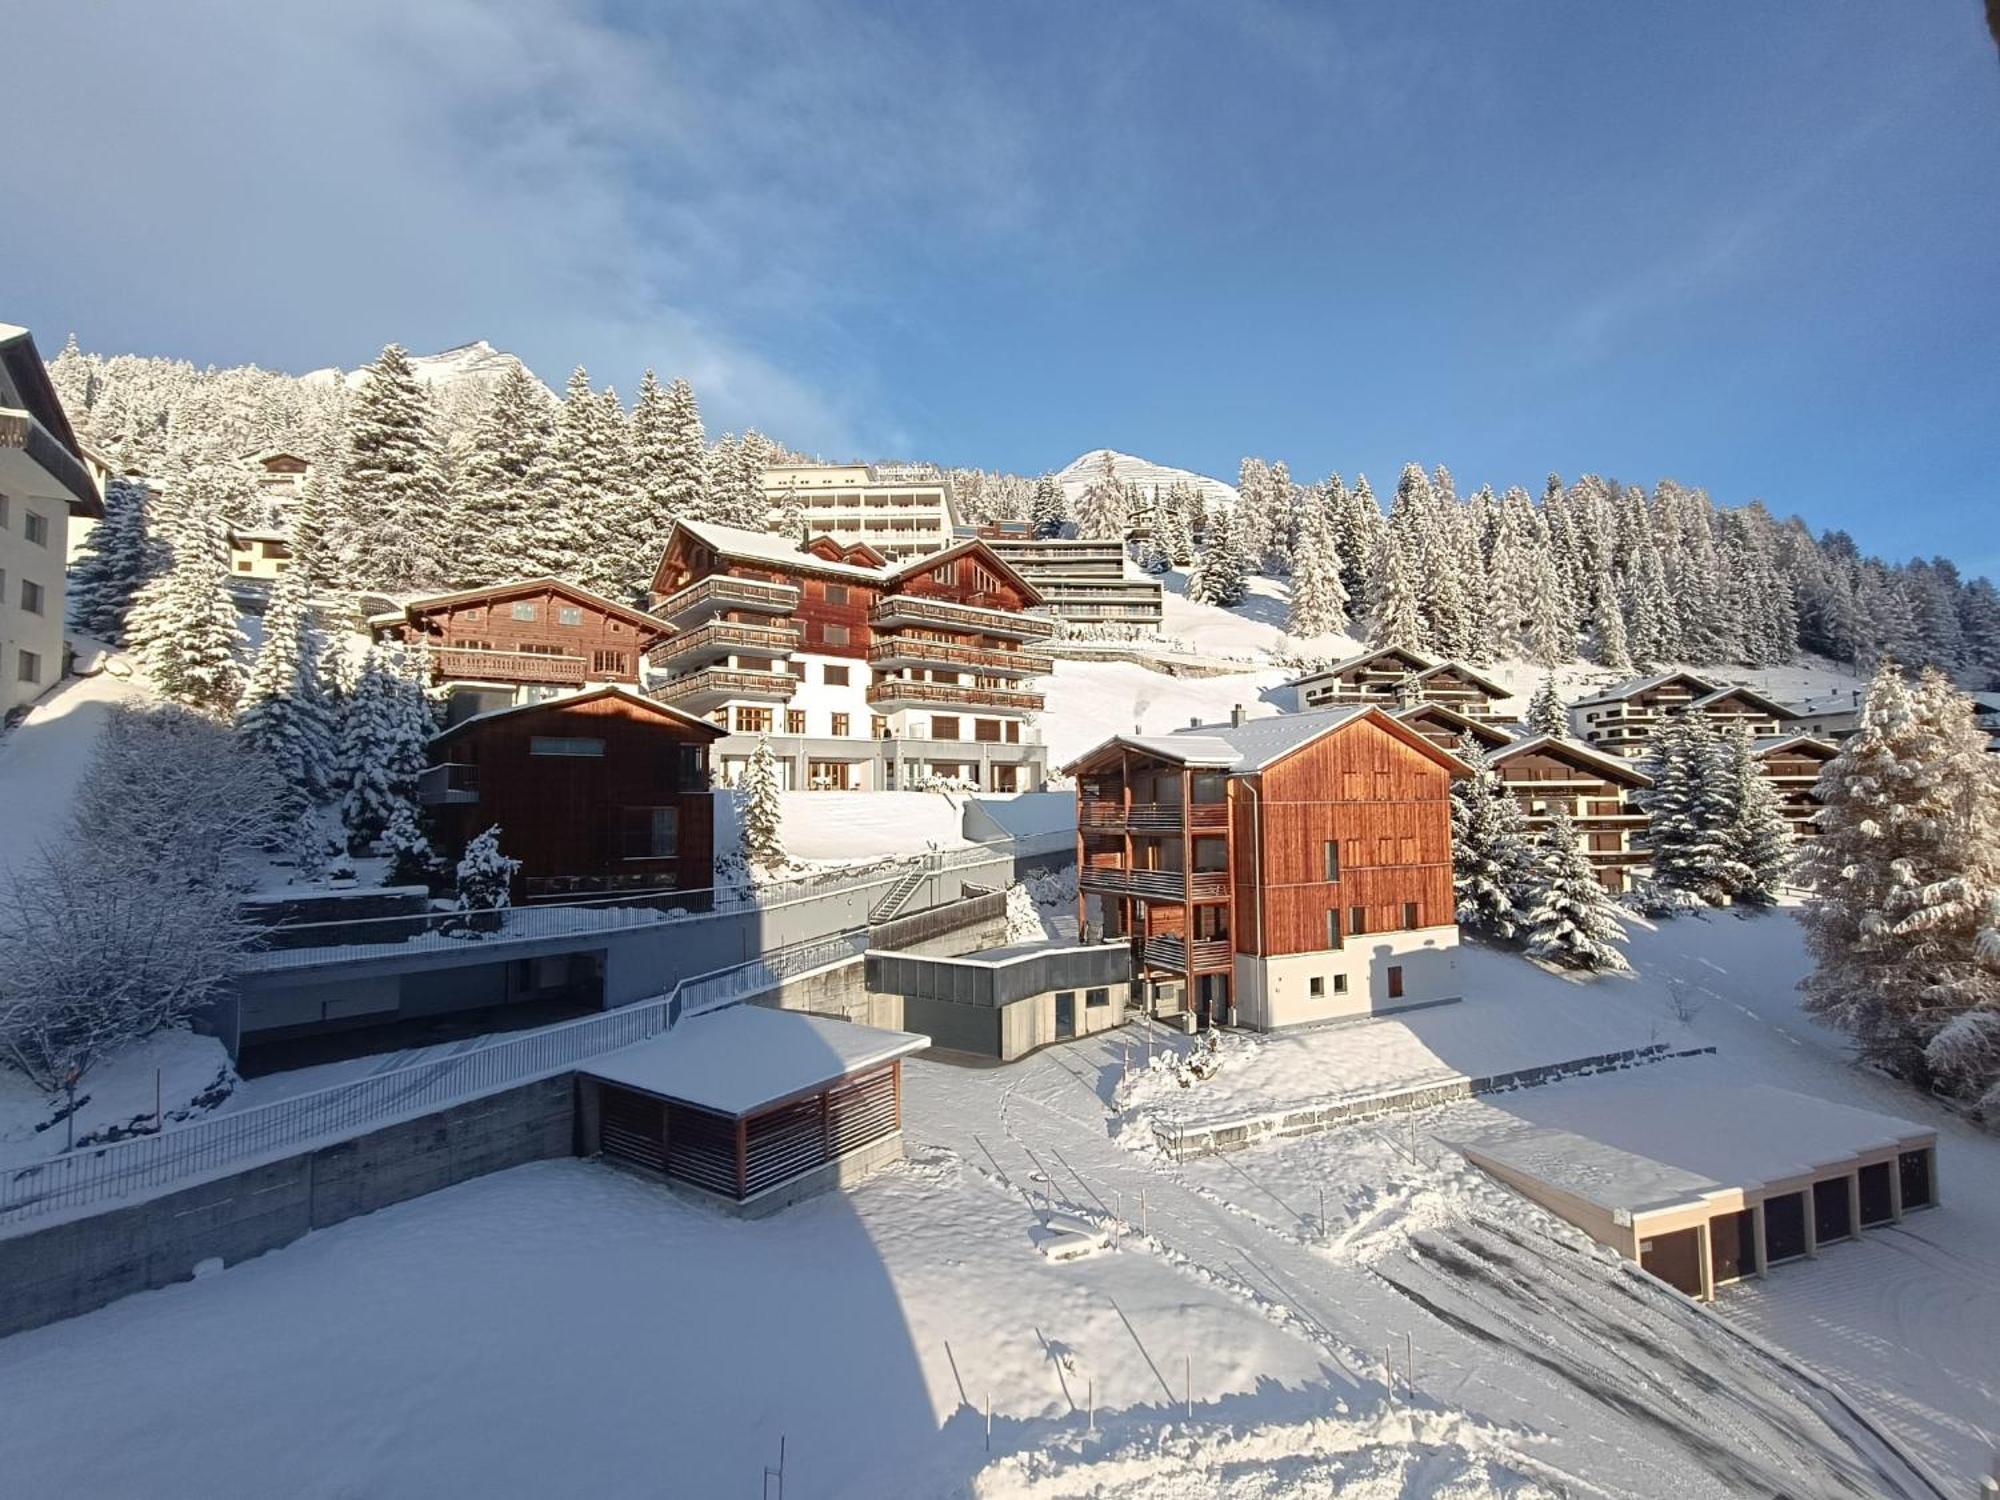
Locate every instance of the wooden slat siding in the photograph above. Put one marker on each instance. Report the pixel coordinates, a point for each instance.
(1553, 774)
(783, 1144)
(1387, 804)
(701, 1149)
(633, 1127)
(490, 620)
(864, 1109)
(551, 809)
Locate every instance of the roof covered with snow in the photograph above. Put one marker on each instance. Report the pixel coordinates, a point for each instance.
(588, 695)
(1257, 744)
(1416, 659)
(746, 1058)
(1641, 1148)
(1619, 692)
(1574, 750)
(542, 583)
(778, 551)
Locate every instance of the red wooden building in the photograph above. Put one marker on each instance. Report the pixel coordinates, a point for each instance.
(1275, 870)
(596, 793)
(521, 641)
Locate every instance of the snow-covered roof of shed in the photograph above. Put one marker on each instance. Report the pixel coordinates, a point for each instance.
(1641, 1148)
(1623, 690)
(747, 1058)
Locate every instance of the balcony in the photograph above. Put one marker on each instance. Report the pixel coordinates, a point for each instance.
(915, 609)
(464, 663)
(893, 693)
(720, 638)
(454, 781)
(1101, 814)
(1156, 885)
(1171, 952)
(719, 592)
(700, 691)
(912, 651)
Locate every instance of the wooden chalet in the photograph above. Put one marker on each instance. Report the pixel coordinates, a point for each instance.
(1397, 677)
(597, 792)
(1623, 719)
(860, 675)
(522, 641)
(1445, 726)
(1792, 764)
(1274, 871)
(1547, 775)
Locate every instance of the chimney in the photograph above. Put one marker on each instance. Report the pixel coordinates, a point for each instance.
(1194, 723)
(1236, 717)
(1137, 727)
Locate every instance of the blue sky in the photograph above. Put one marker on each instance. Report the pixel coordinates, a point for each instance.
(1756, 248)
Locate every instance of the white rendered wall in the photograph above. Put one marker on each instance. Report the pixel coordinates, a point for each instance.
(1276, 992)
(20, 629)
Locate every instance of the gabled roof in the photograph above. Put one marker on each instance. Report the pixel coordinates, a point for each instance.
(1417, 659)
(1781, 710)
(64, 462)
(1479, 729)
(1470, 674)
(1554, 744)
(1258, 744)
(998, 563)
(1770, 744)
(1637, 685)
(512, 586)
(588, 695)
(772, 551)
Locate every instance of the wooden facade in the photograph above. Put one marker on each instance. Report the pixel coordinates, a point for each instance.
(1793, 766)
(1204, 858)
(1546, 775)
(1397, 677)
(1445, 726)
(1624, 719)
(594, 793)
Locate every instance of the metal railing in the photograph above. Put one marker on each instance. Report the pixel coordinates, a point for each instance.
(1171, 952)
(1156, 885)
(285, 1127)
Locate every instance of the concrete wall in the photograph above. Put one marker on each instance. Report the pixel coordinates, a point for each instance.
(1276, 992)
(840, 991)
(71, 1268)
(1031, 1023)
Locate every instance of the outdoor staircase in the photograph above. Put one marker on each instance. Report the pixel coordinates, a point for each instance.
(892, 900)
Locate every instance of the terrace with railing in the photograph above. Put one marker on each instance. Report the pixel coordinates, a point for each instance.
(909, 650)
(463, 662)
(713, 685)
(1155, 885)
(915, 609)
(722, 591)
(454, 781)
(1100, 814)
(894, 692)
(720, 638)
(1170, 951)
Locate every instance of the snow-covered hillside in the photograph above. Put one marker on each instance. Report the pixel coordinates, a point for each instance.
(477, 362)
(1082, 471)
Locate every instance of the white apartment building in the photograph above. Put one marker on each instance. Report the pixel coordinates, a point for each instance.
(898, 511)
(44, 481)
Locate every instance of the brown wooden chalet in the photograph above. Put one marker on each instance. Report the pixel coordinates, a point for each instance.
(1397, 677)
(1547, 775)
(594, 792)
(1445, 727)
(1274, 870)
(1622, 719)
(521, 641)
(1792, 764)
(852, 669)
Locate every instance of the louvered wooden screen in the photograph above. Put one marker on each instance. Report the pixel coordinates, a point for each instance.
(634, 1128)
(861, 1111)
(701, 1149)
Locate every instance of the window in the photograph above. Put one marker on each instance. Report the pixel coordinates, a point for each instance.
(31, 596)
(29, 668)
(1333, 927)
(1096, 997)
(834, 635)
(1013, 731)
(834, 676)
(1357, 920)
(1332, 859)
(753, 721)
(554, 744)
(948, 574)
(1410, 918)
(986, 730)
(1395, 981)
(3, 512)
(608, 661)
(1340, 984)
(795, 721)
(651, 832)
(569, 614)
(881, 727)
(840, 726)
(836, 593)
(524, 612)
(1316, 987)
(944, 727)
(35, 527)
(983, 581)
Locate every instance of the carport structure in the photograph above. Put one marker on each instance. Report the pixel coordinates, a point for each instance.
(1706, 1183)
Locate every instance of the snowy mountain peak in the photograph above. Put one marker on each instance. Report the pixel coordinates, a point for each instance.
(1083, 470)
(477, 362)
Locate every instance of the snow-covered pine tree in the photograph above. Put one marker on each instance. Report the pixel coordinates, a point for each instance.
(1546, 714)
(306, 534)
(112, 564)
(182, 626)
(1491, 861)
(510, 475)
(282, 715)
(571, 541)
(1717, 813)
(412, 860)
(1612, 648)
(391, 500)
(760, 810)
(1222, 564)
(1551, 632)
(384, 731)
(687, 481)
(1049, 508)
(1319, 602)
(1177, 509)
(485, 878)
(1570, 919)
(1280, 526)
(1758, 843)
(1100, 509)
(1399, 620)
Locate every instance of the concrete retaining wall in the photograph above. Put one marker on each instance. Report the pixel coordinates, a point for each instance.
(74, 1267)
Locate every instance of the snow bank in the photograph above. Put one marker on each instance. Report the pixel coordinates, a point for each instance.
(1088, 702)
(192, 1073)
(43, 758)
(842, 827)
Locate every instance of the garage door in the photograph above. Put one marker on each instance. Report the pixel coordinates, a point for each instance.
(1674, 1258)
(633, 1127)
(1732, 1245)
(1833, 1217)
(1784, 1227)
(1876, 1205)
(1915, 1167)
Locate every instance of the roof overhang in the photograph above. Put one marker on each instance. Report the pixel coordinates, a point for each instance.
(1554, 744)
(666, 711)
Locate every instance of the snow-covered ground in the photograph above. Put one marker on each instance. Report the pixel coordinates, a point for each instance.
(845, 827)
(43, 758)
(176, 1070)
(1088, 702)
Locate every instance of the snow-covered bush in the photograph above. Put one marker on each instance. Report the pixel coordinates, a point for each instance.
(761, 812)
(1570, 919)
(486, 880)
(1649, 898)
(412, 860)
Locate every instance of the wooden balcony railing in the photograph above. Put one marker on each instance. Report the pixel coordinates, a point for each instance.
(725, 638)
(510, 666)
(955, 616)
(893, 691)
(1171, 952)
(720, 591)
(719, 684)
(1155, 885)
(1150, 817)
(897, 649)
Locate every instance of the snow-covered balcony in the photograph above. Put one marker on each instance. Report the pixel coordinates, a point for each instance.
(914, 651)
(463, 663)
(915, 609)
(892, 693)
(1170, 951)
(721, 593)
(713, 686)
(33, 462)
(724, 638)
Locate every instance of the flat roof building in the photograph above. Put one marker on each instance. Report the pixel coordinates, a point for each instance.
(899, 510)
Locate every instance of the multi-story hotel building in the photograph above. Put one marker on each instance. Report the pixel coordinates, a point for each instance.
(1083, 582)
(1792, 764)
(521, 642)
(861, 675)
(898, 510)
(44, 481)
(1622, 719)
(1274, 871)
(1396, 677)
(1447, 727)
(1547, 775)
